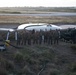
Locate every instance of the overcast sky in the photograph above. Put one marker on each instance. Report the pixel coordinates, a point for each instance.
(46, 3)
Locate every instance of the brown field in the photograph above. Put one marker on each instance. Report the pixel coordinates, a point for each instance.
(37, 19)
(34, 19)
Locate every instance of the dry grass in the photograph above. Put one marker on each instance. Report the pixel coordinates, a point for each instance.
(27, 19)
(31, 60)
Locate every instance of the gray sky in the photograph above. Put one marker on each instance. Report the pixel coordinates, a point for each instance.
(46, 3)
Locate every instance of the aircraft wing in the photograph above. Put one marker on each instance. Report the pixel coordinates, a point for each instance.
(55, 27)
(23, 26)
(38, 26)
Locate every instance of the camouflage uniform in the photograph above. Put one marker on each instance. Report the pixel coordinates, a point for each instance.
(40, 37)
(29, 37)
(50, 37)
(46, 37)
(18, 39)
(56, 36)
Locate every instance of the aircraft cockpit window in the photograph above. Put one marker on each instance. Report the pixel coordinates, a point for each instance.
(48, 25)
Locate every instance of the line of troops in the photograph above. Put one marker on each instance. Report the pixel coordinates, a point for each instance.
(38, 37)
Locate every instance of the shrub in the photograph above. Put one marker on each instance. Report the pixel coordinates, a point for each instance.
(18, 57)
(6, 65)
(10, 66)
(54, 72)
(3, 71)
(51, 71)
(27, 71)
(73, 46)
(73, 67)
(72, 73)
